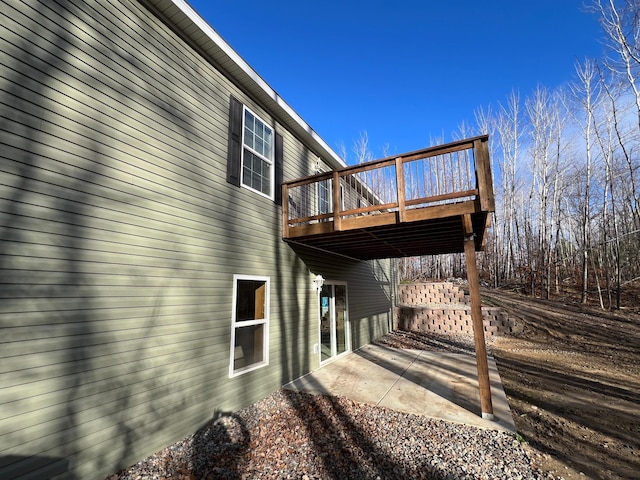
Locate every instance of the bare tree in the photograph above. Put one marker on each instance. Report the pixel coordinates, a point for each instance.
(539, 109)
(361, 148)
(617, 113)
(604, 130)
(509, 129)
(558, 183)
(585, 92)
(621, 24)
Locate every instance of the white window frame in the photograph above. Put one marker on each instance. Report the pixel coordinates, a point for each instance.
(246, 323)
(270, 161)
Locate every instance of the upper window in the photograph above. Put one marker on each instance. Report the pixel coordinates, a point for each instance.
(257, 154)
(250, 325)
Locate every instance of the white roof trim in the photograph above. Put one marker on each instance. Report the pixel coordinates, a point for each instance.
(316, 141)
(231, 53)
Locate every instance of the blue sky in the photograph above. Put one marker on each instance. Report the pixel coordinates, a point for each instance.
(404, 71)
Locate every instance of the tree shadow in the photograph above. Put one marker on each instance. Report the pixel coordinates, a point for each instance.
(218, 447)
(99, 344)
(430, 373)
(575, 396)
(345, 450)
(341, 447)
(406, 339)
(14, 466)
(566, 411)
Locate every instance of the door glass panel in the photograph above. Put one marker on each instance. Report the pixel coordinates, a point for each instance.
(334, 324)
(341, 318)
(325, 323)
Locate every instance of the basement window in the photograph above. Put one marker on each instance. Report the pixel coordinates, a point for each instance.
(250, 324)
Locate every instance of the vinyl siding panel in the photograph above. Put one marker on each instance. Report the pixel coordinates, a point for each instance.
(119, 239)
(370, 290)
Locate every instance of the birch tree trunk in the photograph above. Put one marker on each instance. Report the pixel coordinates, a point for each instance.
(509, 130)
(585, 92)
(621, 24)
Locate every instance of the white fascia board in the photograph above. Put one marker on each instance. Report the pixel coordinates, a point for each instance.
(214, 45)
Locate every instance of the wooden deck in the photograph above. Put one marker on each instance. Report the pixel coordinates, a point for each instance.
(406, 205)
(428, 202)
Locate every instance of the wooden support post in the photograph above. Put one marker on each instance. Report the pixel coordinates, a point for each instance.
(476, 317)
(285, 211)
(402, 209)
(483, 174)
(337, 200)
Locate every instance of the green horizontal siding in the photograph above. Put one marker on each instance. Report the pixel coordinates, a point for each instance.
(119, 239)
(370, 289)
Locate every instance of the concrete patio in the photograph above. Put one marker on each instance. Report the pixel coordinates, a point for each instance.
(432, 384)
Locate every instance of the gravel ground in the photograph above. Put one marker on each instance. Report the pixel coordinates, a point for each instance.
(301, 436)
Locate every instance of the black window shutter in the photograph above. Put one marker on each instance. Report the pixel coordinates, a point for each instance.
(277, 195)
(234, 156)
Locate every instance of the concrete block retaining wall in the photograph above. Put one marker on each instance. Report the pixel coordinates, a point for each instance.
(445, 308)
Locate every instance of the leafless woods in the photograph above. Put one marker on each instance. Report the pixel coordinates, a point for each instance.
(566, 172)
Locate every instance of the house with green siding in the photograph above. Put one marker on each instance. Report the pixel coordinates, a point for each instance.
(145, 286)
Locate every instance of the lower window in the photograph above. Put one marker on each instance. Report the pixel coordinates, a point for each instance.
(250, 325)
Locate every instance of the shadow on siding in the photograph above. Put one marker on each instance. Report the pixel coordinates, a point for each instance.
(35, 467)
(107, 394)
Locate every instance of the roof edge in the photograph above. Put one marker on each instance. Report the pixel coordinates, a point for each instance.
(185, 20)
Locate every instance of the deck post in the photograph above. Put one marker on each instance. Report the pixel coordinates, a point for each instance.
(337, 200)
(285, 210)
(402, 209)
(483, 174)
(476, 317)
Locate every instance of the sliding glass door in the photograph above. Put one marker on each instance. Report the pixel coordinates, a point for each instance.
(334, 323)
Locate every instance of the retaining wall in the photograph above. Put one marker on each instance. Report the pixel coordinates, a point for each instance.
(444, 307)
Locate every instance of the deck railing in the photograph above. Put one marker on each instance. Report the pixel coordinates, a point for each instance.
(390, 189)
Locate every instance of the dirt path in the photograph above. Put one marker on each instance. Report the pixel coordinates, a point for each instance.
(573, 383)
